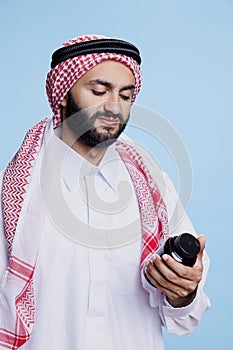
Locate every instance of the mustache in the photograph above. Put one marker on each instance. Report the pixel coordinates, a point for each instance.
(107, 114)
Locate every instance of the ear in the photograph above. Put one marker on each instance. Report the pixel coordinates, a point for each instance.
(64, 102)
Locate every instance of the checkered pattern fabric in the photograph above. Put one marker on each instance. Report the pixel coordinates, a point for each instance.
(153, 210)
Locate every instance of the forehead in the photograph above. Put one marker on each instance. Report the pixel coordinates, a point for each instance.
(114, 72)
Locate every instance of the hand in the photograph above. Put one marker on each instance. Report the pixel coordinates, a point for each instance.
(177, 281)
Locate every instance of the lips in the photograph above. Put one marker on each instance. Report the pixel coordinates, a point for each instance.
(110, 122)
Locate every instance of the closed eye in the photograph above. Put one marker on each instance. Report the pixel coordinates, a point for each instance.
(98, 93)
(126, 98)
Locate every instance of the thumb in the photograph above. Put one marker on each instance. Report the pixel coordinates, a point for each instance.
(202, 241)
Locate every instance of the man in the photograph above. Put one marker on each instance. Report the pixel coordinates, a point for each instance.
(83, 215)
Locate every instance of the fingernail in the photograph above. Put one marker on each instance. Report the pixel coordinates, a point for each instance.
(165, 257)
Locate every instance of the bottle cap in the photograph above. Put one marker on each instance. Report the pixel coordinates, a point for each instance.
(187, 245)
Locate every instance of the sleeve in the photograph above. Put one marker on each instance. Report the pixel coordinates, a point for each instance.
(3, 243)
(183, 320)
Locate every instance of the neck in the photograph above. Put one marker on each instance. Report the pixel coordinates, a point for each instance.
(91, 154)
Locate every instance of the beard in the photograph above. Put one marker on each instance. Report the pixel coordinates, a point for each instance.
(81, 123)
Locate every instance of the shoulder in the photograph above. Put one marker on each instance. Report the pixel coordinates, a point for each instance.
(177, 217)
(162, 180)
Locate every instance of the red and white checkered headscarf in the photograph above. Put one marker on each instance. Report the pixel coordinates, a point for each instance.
(62, 77)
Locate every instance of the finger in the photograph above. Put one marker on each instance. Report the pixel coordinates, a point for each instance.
(181, 272)
(154, 277)
(168, 278)
(188, 276)
(171, 290)
(202, 241)
(199, 264)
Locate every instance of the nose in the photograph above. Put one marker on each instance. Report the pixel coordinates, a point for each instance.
(113, 107)
(112, 104)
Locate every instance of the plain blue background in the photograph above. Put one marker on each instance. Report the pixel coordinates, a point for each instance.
(187, 50)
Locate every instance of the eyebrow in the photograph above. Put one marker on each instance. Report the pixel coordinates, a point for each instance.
(109, 85)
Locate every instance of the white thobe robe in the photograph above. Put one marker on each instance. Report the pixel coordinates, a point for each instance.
(91, 298)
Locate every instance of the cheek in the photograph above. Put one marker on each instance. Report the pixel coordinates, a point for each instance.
(126, 111)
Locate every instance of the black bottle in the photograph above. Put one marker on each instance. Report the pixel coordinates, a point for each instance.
(183, 248)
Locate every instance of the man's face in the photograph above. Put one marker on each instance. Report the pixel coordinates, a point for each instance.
(97, 107)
